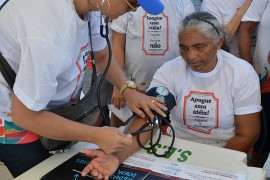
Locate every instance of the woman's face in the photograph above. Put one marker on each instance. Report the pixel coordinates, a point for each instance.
(198, 50)
(116, 8)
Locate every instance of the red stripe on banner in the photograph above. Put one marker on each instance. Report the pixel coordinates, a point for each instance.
(2, 131)
(30, 137)
(16, 135)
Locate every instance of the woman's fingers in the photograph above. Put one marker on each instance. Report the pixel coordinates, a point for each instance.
(147, 108)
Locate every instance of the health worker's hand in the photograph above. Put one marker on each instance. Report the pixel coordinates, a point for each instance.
(111, 140)
(142, 104)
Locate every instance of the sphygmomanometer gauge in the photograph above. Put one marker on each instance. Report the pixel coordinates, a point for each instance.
(163, 91)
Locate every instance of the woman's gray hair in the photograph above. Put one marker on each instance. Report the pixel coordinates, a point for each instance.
(205, 23)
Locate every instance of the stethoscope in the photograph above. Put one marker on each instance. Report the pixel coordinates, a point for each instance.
(104, 32)
(104, 23)
(149, 125)
(3, 4)
(104, 26)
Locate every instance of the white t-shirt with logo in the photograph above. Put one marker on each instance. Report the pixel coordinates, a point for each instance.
(151, 40)
(47, 47)
(259, 11)
(206, 103)
(224, 11)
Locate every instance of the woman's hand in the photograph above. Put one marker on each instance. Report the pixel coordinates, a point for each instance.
(117, 98)
(111, 140)
(140, 103)
(102, 165)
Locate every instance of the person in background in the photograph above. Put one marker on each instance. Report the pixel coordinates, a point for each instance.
(141, 43)
(47, 43)
(216, 104)
(257, 17)
(229, 14)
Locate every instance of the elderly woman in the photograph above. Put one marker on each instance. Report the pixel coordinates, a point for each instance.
(216, 102)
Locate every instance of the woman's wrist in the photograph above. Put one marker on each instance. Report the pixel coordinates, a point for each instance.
(127, 85)
(128, 91)
(93, 135)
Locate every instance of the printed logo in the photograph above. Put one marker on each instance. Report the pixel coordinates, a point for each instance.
(81, 65)
(201, 111)
(155, 34)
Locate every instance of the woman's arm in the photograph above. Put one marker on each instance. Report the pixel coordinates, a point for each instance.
(244, 40)
(53, 126)
(137, 102)
(232, 27)
(118, 49)
(115, 74)
(105, 165)
(247, 130)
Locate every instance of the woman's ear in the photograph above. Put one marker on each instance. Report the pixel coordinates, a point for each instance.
(220, 42)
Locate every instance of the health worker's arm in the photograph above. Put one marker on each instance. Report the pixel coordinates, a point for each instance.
(137, 102)
(118, 49)
(53, 126)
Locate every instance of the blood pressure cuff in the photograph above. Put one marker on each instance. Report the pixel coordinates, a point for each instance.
(169, 100)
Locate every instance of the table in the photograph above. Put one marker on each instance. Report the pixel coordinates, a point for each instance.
(184, 152)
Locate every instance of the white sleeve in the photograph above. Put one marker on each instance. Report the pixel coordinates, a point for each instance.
(120, 24)
(98, 42)
(255, 11)
(211, 7)
(168, 74)
(161, 79)
(41, 63)
(248, 98)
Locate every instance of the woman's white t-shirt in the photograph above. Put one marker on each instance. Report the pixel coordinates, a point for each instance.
(47, 46)
(206, 103)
